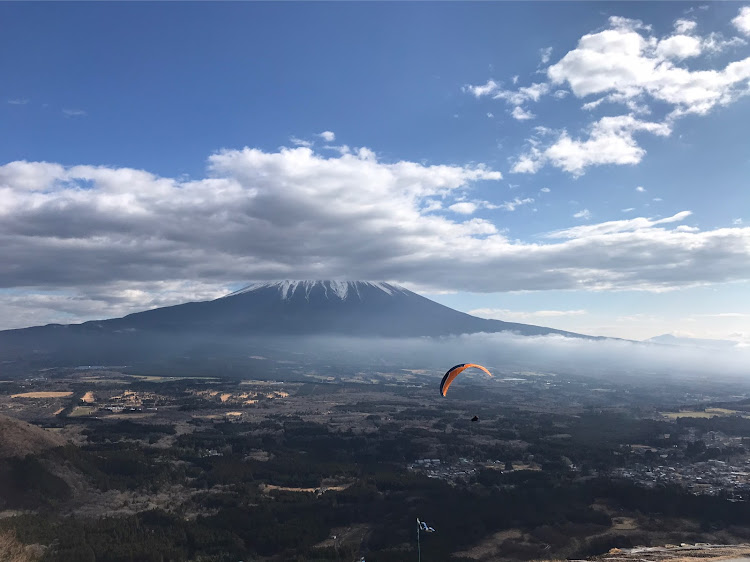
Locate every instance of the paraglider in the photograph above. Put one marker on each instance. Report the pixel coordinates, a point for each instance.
(453, 372)
(475, 418)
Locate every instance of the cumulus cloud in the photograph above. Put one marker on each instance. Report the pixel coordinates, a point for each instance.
(327, 136)
(640, 189)
(521, 114)
(678, 47)
(483, 90)
(627, 65)
(682, 26)
(742, 21)
(583, 214)
(86, 234)
(545, 54)
(545, 190)
(611, 140)
(463, 208)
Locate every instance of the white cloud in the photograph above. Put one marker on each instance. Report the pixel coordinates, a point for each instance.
(627, 64)
(583, 214)
(521, 114)
(682, 26)
(522, 316)
(737, 221)
(715, 43)
(657, 199)
(588, 106)
(679, 47)
(484, 90)
(517, 202)
(616, 227)
(545, 54)
(517, 97)
(74, 113)
(18, 101)
(640, 189)
(545, 190)
(327, 136)
(463, 208)
(95, 234)
(490, 115)
(611, 140)
(742, 21)
(300, 142)
(431, 205)
(515, 79)
(628, 210)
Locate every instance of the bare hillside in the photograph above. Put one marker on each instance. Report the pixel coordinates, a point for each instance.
(18, 438)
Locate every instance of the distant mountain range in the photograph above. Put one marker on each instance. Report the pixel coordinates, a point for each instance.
(669, 339)
(263, 310)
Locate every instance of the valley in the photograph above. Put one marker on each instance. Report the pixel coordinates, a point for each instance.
(240, 466)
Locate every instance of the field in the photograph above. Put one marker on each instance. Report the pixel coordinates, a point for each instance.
(42, 395)
(82, 411)
(707, 413)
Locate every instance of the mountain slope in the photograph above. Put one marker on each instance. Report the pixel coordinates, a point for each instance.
(286, 308)
(320, 307)
(18, 438)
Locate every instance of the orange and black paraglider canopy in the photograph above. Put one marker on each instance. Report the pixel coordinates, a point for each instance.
(453, 372)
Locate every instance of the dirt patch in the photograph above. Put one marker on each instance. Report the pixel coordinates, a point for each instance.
(266, 488)
(88, 398)
(488, 547)
(344, 537)
(41, 395)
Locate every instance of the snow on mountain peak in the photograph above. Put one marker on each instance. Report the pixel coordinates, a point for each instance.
(339, 289)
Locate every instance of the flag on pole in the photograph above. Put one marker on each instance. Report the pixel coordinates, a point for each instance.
(424, 526)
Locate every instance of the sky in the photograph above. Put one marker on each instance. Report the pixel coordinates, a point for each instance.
(583, 166)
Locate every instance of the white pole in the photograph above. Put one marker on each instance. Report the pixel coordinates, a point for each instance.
(419, 548)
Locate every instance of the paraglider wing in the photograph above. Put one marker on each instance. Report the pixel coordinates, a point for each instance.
(453, 372)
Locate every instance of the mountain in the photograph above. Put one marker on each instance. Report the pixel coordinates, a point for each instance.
(669, 339)
(260, 311)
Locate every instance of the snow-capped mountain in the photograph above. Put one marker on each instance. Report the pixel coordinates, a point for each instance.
(361, 308)
(262, 310)
(331, 289)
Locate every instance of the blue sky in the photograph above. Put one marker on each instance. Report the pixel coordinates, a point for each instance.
(578, 165)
